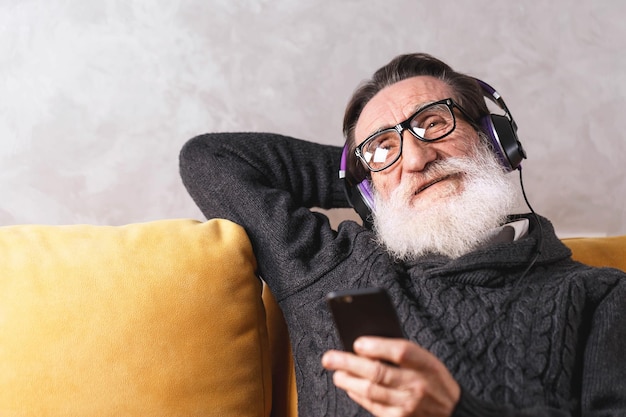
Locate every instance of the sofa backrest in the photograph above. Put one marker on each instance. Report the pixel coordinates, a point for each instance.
(160, 318)
(599, 251)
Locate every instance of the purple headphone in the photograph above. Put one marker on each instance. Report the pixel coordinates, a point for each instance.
(500, 129)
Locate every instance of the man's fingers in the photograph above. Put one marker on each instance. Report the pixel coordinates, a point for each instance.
(394, 374)
(397, 351)
(371, 370)
(368, 390)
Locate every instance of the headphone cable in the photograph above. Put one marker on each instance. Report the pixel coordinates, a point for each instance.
(539, 246)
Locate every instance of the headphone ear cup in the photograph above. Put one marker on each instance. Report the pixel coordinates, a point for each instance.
(502, 131)
(504, 141)
(358, 191)
(361, 198)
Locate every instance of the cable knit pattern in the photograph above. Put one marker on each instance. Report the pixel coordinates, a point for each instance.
(550, 345)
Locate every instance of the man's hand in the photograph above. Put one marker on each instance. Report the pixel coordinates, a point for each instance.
(419, 384)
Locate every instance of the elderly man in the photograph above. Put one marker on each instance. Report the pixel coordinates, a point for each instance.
(499, 320)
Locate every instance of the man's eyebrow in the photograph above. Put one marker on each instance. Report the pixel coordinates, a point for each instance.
(415, 109)
(422, 105)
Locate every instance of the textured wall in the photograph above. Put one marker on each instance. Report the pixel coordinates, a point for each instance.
(97, 97)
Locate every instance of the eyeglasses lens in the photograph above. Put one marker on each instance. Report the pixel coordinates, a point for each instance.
(382, 150)
(433, 122)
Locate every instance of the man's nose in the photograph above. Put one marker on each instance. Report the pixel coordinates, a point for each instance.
(416, 154)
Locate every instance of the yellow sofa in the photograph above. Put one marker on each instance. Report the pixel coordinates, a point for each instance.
(163, 318)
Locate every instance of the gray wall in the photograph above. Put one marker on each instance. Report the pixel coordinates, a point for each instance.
(97, 97)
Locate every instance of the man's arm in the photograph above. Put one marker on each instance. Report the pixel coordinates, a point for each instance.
(604, 367)
(267, 183)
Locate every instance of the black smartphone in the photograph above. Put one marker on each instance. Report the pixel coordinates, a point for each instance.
(363, 312)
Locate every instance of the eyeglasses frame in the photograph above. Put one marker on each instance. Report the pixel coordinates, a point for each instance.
(405, 125)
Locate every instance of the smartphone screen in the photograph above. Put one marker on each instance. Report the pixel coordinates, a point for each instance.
(363, 312)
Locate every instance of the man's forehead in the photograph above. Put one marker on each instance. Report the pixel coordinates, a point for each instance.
(395, 103)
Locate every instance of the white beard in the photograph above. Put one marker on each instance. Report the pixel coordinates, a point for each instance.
(456, 224)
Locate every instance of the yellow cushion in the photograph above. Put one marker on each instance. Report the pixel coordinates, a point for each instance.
(601, 251)
(154, 319)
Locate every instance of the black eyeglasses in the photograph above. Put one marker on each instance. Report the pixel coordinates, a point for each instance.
(429, 124)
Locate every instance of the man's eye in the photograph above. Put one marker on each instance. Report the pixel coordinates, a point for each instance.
(385, 144)
(432, 125)
(433, 122)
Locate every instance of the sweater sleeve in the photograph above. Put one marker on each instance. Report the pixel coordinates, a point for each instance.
(267, 183)
(604, 368)
(470, 406)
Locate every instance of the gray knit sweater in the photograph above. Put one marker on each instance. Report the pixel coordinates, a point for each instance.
(558, 350)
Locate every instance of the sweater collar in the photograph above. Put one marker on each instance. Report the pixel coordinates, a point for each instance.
(501, 255)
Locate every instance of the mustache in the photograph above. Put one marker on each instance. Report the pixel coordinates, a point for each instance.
(473, 165)
(470, 165)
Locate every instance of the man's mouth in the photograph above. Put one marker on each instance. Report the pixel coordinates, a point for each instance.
(435, 181)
